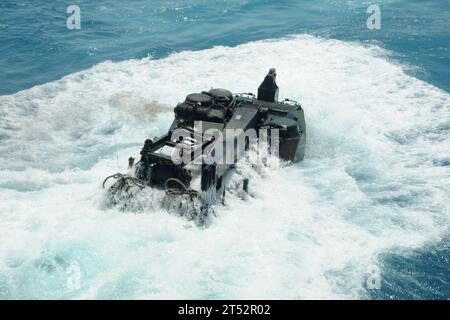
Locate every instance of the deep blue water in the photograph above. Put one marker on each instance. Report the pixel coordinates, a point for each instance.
(37, 48)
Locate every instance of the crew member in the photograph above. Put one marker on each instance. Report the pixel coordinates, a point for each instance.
(268, 90)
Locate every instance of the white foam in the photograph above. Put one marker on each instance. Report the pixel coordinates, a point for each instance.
(371, 181)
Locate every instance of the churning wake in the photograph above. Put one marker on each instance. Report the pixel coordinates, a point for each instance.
(375, 179)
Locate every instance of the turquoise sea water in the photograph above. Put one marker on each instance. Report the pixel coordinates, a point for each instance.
(36, 47)
(372, 191)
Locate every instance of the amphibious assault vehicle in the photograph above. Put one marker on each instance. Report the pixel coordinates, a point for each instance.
(211, 132)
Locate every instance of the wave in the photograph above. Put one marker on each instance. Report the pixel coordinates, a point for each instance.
(374, 180)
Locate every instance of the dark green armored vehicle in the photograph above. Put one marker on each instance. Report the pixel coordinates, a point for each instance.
(211, 132)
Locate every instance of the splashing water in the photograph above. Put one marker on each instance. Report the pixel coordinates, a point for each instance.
(375, 179)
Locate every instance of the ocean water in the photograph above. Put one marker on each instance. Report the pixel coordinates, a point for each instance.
(372, 195)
